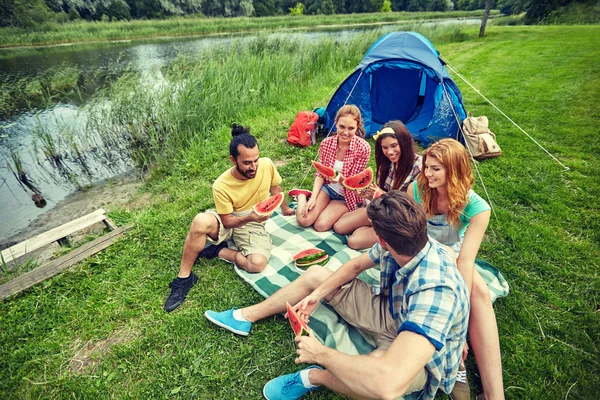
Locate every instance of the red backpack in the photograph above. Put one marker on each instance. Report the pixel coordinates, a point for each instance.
(304, 129)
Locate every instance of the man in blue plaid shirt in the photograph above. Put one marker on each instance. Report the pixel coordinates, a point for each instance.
(418, 316)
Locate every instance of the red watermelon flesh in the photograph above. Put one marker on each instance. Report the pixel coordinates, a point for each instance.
(324, 170)
(298, 325)
(378, 193)
(304, 253)
(269, 205)
(361, 180)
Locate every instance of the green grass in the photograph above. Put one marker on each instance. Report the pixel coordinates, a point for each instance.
(99, 331)
(83, 31)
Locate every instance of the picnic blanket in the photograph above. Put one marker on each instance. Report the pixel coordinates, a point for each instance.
(289, 238)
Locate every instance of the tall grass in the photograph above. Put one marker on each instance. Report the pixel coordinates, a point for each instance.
(82, 31)
(200, 96)
(60, 84)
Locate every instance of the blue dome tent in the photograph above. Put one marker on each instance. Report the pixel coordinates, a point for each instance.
(402, 77)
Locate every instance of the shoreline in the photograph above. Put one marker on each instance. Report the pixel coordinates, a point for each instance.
(117, 191)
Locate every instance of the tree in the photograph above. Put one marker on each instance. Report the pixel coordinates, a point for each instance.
(298, 9)
(327, 7)
(31, 13)
(486, 14)
(264, 8)
(387, 6)
(118, 10)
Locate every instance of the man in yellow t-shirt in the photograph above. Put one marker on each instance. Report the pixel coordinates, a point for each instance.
(249, 181)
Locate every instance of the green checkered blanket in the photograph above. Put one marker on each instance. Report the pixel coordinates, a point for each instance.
(289, 238)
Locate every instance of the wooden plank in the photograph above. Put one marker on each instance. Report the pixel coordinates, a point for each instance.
(57, 266)
(52, 235)
(110, 224)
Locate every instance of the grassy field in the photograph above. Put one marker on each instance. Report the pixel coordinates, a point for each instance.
(99, 331)
(83, 31)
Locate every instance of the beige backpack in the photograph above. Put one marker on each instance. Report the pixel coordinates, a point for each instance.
(478, 138)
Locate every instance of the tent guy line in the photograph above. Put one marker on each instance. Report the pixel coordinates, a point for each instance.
(506, 116)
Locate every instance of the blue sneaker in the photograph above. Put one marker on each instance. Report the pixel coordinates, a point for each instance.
(287, 387)
(225, 320)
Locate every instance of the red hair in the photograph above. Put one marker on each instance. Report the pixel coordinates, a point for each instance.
(459, 178)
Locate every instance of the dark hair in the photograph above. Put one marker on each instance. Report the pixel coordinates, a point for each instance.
(400, 221)
(241, 135)
(407, 155)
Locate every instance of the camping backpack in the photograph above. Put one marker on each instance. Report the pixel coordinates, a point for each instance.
(478, 138)
(303, 131)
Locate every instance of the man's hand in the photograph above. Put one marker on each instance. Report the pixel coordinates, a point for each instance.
(306, 306)
(309, 349)
(259, 218)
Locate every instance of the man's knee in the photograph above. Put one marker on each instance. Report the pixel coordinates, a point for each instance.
(256, 263)
(315, 275)
(204, 223)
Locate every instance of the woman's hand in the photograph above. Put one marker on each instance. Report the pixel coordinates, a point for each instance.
(310, 204)
(366, 193)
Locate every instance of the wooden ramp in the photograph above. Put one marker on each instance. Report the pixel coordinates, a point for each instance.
(60, 264)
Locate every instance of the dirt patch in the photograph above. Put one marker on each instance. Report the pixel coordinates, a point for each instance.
(119, 191)
(90, 354)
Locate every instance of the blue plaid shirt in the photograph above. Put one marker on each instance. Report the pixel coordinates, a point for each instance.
(428, 296)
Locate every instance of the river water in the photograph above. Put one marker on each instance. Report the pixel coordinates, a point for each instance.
(26, 135)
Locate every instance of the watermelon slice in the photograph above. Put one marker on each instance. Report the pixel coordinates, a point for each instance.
(378, 193)
(298, 325)
(361, 180)
(269, 205)
(324, 170)
(306, 253)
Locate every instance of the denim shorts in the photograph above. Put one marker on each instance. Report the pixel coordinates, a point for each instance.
(332, 194)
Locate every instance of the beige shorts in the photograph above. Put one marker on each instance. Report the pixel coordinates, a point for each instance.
(251, 238)
(360, 307)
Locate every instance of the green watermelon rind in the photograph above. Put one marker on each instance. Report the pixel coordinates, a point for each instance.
(275, 199)
(349, 182)
(321, 261)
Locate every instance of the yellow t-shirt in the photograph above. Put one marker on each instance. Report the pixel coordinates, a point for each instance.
(234, 195)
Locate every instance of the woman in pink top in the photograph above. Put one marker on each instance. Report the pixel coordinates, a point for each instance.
(347, 153)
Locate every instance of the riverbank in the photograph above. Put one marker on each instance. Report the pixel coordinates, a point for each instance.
(118, 192)
(99, 331)
(14, 39)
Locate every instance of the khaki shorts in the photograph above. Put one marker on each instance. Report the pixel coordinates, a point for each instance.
(251, 238)
(360, 307)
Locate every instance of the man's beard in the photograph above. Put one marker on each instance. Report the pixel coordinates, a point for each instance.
(245, 174)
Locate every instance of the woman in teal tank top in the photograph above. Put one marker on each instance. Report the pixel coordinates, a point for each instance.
(458, 218)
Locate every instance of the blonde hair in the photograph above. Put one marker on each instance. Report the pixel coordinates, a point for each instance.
(459, 178)
(354, 112)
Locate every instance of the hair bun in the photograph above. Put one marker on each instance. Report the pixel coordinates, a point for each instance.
(238, 130)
